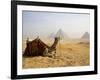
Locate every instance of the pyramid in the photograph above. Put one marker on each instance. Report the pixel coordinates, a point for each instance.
(85, 36)
(61, 34)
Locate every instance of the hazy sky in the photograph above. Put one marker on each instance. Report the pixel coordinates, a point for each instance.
(45, 23)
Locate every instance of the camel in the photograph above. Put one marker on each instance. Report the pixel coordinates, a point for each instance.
(39, 48)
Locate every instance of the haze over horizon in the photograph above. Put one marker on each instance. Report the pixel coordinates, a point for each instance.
(42, 24)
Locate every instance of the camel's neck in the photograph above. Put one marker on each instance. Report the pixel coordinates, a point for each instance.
(55, 43)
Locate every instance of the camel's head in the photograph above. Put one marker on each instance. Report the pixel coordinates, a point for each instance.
(57, 38)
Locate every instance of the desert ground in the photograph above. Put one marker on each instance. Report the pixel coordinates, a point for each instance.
(69, 53)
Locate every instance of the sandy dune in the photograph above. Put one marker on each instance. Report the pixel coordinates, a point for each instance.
(69, 53)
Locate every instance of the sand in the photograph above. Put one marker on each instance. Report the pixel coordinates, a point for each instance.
(69, 53)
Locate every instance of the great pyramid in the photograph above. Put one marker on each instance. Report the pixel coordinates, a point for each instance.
(60, 33)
